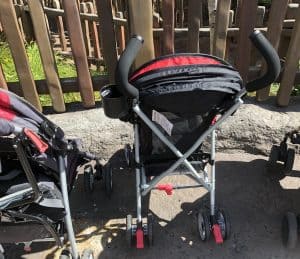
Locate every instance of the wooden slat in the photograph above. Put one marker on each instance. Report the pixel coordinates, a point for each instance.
(248, 11)
(108, 37)
(86, 30)
(47, 57)
(168, 25)
(121, 34)
(60, 27)
(15, 41)
(222, 23)
(275, 22)
(94, 30)
(194, 23)
(26, 25)
(3, 83)
(77, 43)
(291, 66)
(212, 6)
(140, 13)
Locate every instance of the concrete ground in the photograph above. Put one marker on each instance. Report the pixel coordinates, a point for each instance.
(255, 199)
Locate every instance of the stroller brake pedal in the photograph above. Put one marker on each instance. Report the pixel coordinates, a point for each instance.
(168, 188)
(217, 234)
(139, 238)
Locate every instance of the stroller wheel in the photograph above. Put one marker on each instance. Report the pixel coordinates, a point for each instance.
(108, 181)
(289, 162)
(224, 223)
(289, 230)
(129, 230)
(65, 254)
(150, 229)
(87, 254)
(274, 155)
(203, 225)
(128, 155)
(89, 179)
(98, 171)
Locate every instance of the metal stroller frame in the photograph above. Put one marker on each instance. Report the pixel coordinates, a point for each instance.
(138, 231)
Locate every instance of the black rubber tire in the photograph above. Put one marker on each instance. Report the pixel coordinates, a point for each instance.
(129, 230)
(274, 155)
(290, 230)
(65, 254)
(88, 179)
(87, 254)
(150, 229)
(289, 162)
(108, 181)
(98, 171)
(224, 223)
(128, 155)
(204, 228)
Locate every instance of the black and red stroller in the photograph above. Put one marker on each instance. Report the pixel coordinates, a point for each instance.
(38, 167)
(174, 103)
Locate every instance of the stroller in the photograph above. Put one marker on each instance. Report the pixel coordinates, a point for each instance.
(38, 167)
(174, 103)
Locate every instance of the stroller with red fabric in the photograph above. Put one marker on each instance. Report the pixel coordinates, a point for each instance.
(38, 168)
(174, 103)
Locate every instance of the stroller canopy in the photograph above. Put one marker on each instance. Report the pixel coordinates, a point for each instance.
(186, 83)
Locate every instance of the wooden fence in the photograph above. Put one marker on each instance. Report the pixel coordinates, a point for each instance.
(95, 32)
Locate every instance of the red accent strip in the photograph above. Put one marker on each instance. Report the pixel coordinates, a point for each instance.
(4, 100)
(176, 61)
(168, 188)
(217, 234)
(139, 238)
(36, 140)
(6, 114)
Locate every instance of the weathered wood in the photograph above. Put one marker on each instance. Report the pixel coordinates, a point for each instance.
(3, 83)
(121, 34)
(94, 30)
(212, 6)
(291, 66)
(77, 43)
(292, 11)
(86, 30)
(194, 23)
(168, 25)
(15, 41)
(47, 57)
(260, 15)
(26, 25)
(248, 11)
(60, 27)
(222, 23)
(140, 13)
(276, 18)
(108, 37)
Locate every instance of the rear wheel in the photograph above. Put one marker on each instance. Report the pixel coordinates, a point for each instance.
(150, 229)
(203, 226)
(108, 181)
(88, 179)
(289, 163)
(224, 223)
(129, 230)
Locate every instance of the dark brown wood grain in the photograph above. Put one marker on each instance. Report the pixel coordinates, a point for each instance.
(168, 26)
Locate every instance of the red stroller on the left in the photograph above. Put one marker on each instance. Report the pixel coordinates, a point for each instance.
(38, 167)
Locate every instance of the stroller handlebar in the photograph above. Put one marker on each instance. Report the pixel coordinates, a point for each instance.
(257, 38)
(124, 64)
(273, 62)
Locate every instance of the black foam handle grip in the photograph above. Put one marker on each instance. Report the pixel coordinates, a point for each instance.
(273, 62)
(124, 64)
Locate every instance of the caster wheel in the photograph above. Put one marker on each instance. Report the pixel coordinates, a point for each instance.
(98, 171)
(150, 229)
(203, 225)
(89, 179)
(274, 155)
(65, 254)
(108, 182)
(87, 254)
(289, 230)
(289, 162)
(129, 230)
(128, 155)
(224, 223)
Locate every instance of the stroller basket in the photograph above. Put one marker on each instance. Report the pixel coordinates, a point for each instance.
(114, 102)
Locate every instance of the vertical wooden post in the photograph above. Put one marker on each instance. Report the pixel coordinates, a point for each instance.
(15, 41)
(194, 23)
(3, 83)
(86, 30)
(248, 11)
(121, 33)
(168, 25)
(275, 22)
(212, 6)
(47, 57)
(107, 34)
(222, 23)
(60, 26)
(77, 43)
(26, 25)
(291, 66)
(140, 13)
